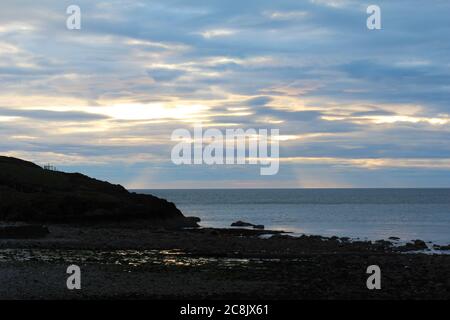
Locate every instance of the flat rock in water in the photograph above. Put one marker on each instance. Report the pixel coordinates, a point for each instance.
(247, 224)
(242, 224)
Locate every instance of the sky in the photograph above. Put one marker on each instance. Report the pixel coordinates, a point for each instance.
(355, 107)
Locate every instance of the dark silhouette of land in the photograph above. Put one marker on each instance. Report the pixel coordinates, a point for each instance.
(31, 193)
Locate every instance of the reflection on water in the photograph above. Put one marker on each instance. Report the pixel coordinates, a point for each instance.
(131, 258)
(141, 258)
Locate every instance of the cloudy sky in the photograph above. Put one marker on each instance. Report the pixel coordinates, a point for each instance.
(356, 108)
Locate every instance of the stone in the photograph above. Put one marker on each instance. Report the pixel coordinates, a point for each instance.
(241, 224)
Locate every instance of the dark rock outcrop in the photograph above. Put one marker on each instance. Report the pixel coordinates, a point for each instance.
(31, 193)
(194, 219)
(439, 247)
(247, 224)
(415, 245)
(241, 224)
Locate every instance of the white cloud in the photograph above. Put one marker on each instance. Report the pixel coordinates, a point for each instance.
(286, 15)
(333, 3)
(214, 33)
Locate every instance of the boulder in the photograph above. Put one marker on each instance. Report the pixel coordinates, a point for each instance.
(383, 243)
(415, 245)
(420, 245)
(439, 247)
(242, 224)
(247, 224)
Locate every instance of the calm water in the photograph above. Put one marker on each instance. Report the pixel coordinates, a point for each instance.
(357, 213)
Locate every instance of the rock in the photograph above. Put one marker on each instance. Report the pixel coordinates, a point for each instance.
(189, 222)
(416, 245)
(30, 193)
(383, 243)
(420, 245)
(438, 247)
(247, 224)
(23, 231)
(281, 236)
(394, 238)
(241, 224)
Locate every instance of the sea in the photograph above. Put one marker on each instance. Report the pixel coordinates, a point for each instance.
(365, 214)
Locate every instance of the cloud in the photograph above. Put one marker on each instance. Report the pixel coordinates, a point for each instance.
(47, 115)
(208, 34)
(162, 74)
(110, 94)
(286, 15)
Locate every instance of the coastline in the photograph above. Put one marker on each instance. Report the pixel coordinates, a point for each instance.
(134, 261)
(361, 214)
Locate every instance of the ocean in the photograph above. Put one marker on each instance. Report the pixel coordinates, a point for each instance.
(366, 214)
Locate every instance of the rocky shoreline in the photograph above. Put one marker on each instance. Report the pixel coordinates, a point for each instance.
(169, 235)
(134, 261)
(135, 246)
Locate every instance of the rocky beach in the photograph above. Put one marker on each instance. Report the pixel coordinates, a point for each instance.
(133, 246)
(138, 262)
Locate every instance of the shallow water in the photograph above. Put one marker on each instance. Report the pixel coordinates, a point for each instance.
(357, 213)
(126, 258)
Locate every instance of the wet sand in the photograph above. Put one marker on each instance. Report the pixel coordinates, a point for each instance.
(138, 262)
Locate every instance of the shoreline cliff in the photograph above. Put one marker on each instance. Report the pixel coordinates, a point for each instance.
(30, 193)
